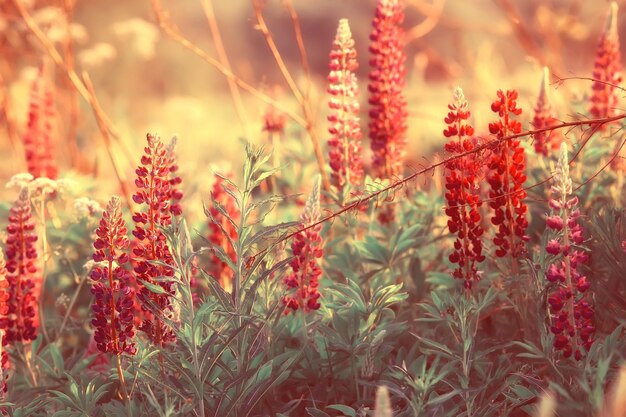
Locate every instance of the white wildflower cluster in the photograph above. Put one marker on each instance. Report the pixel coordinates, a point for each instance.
(87, 208)
(40, 186)
(141, 36)
(20, 180)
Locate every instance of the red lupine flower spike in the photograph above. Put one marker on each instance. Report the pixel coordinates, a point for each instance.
(38, 139)
(302, 284)
(570, 310)
(114, 298)
(220, 229)
(607, 70)
(506, 179)
(388, 114)
(21, 320)
(4, 287)
(155, 180)
(345, 142)
(4, 309)
(545, 117)
(463, 192)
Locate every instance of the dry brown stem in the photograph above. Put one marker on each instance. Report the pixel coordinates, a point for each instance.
(303, 100)
(432, 12)
(209, 12)
(173, 33)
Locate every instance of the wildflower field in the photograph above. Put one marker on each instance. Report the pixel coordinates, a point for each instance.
(293, 208)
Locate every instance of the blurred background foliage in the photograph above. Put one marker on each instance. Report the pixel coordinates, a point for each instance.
(148, 83)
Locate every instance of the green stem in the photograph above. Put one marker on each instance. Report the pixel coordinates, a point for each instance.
(120, 374)
(72, 301)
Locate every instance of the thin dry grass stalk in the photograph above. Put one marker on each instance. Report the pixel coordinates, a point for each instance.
(209, 12)
(302, 98)
(173, 33)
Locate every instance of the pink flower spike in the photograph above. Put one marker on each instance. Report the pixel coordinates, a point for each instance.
(302, 284)
(114, 298)
(388, 114)
(152, 257)
(607, 70)
(345, 141)
(544, 117)
(571, 314)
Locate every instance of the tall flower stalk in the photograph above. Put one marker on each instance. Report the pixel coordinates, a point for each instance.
(463, 192)
(388, 114)
(570, 311)
(345, 142)
(39, 136)
(607, 70)
(302, 284)
(544, 117)
(4, 309)
(506, 179)
(114, 297)
(21, 321)
(153, 267)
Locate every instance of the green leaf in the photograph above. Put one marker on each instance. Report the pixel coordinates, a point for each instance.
(348, 411)
(314, 412)
(157, 289)
(57, 358)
